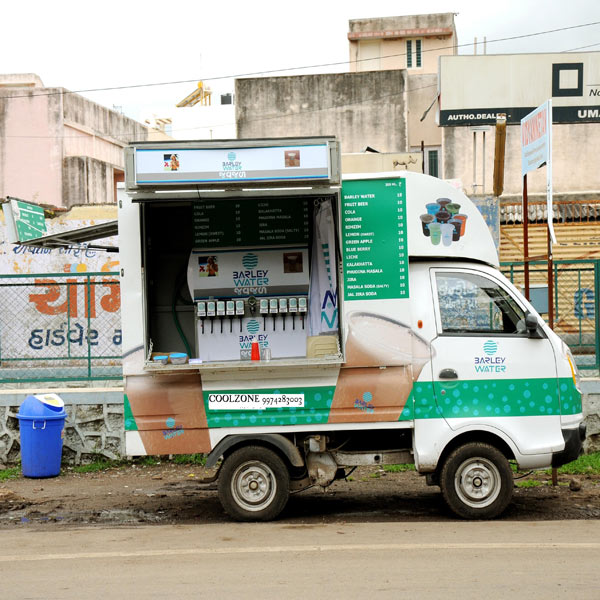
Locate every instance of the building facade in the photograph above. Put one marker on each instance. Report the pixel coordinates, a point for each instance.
(57, 147)
(386, 101)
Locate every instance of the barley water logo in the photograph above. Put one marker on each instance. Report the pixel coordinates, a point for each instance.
(250, 261)
(490, 347)
(232, 168)
(172, 430)
(246, 339)
(249, 280)
(252, 327)
(491, 362)
(365, 404)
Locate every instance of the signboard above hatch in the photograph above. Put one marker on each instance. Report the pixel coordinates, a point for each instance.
(180, 164)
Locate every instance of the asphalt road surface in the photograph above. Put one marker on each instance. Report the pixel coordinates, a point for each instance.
(428, 560)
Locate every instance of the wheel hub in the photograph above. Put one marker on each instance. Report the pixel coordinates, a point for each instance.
(253, 486)
(477, 482)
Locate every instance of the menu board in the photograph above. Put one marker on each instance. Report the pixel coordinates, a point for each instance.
(255, 222)
(374, 239)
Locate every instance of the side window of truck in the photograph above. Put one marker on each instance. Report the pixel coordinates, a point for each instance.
(470, 303)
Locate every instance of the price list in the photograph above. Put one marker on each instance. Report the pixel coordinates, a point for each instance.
(374, 239)
(257, 222)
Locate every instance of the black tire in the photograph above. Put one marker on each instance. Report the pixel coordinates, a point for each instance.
(476, 481)
(254, 484)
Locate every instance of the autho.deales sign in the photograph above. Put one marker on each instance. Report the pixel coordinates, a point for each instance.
(475, 89)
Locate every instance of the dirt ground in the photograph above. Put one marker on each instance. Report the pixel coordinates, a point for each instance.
(169, 493)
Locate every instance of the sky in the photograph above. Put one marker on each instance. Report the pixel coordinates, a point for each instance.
(83, 45)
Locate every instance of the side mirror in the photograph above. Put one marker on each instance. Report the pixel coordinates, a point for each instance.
(532, 326)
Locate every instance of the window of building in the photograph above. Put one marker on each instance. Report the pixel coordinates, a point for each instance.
(227, 98)
(432, 166)
(414, 58)
(473, 304)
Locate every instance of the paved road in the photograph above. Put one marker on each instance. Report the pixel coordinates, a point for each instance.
(496, 560)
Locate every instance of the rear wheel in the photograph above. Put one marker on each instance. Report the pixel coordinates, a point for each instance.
(254, 484)
(476, 481)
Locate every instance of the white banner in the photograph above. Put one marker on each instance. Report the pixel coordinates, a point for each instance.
(536, 151)
(323, 285)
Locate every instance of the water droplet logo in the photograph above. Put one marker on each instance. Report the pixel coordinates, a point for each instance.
(231, 156)
(252, 327)
(490, 347)
(367, 396)
(170, 422)
(250, 261)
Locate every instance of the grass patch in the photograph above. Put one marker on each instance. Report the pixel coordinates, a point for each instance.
(398, 468)
(12, 473)
(586, 464)
(529, 483)
(100, 464)
(190, 459)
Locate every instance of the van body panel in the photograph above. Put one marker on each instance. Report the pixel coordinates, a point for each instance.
(402, 361)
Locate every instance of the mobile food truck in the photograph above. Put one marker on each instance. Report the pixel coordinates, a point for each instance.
(293, 326)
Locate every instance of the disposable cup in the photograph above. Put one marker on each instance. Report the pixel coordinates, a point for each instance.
(425, 220)
(442, 216)
(453, 208)
(435, 232)
(432, 208)
(462, 218)
(447, 232)
(443, 202)
(457, 225)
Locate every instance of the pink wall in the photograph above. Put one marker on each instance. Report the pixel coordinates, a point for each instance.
(31, 146)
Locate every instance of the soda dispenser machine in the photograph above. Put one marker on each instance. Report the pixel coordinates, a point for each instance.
(246, 295)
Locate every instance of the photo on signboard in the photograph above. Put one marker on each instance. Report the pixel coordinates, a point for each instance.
(292, 262)
(208, 266)
(171, 162)
(292, 158)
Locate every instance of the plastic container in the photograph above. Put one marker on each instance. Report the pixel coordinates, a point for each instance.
(41, 422)
(178, 358)
(161, 359)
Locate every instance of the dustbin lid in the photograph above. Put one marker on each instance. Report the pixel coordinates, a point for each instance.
(42, 406)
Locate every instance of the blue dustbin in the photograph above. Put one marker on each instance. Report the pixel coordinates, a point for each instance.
(42, 419)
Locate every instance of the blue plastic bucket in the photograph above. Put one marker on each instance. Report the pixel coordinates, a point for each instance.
(41, 421)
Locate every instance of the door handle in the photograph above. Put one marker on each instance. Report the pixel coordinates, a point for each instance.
(448, 374)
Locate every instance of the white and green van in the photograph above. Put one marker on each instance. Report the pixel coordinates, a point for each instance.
(293, 326)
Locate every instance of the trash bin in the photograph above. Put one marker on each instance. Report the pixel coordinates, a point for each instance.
(41, 421)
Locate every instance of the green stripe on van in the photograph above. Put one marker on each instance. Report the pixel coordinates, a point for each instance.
(494, 398)
(130, 424)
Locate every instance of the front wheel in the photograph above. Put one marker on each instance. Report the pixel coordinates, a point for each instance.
(254, 484)
(476, 481)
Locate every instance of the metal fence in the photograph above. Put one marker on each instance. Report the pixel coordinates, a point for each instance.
(576, 294)
(60, 327)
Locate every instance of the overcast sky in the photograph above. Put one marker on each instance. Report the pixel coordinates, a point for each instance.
(79, 44)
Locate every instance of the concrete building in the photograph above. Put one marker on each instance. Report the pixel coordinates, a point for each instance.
(57, 147)
(382, 103)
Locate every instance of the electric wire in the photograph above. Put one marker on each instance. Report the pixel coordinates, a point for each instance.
(315, 66)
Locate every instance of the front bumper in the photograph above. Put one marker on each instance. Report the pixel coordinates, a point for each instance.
(573, 446)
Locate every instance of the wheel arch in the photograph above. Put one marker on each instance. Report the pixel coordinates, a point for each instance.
(274, 441)
(485, 436)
